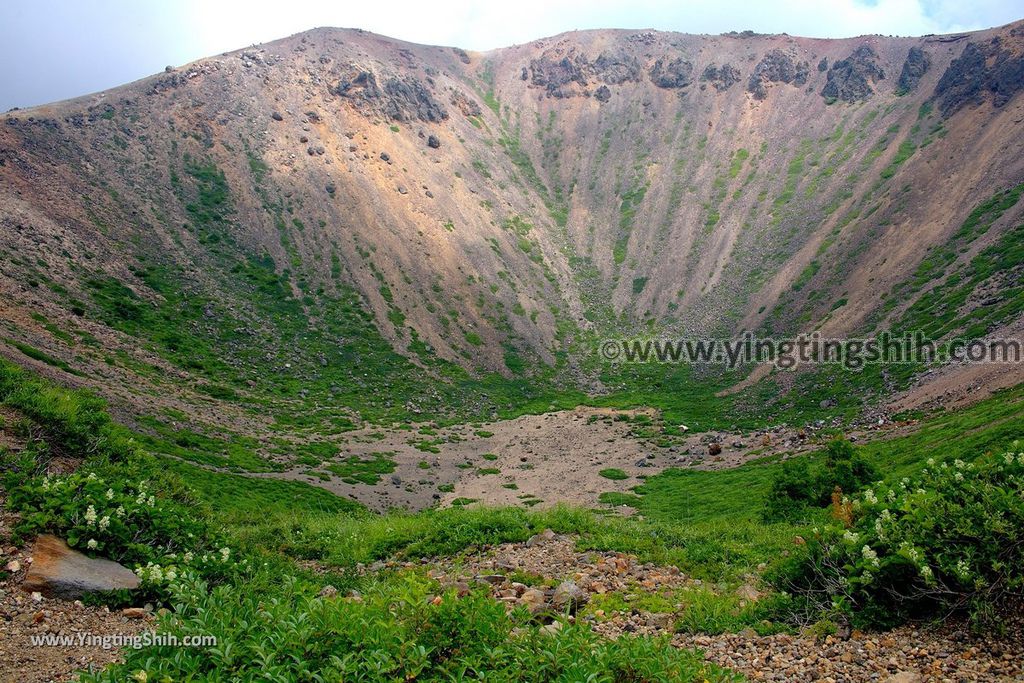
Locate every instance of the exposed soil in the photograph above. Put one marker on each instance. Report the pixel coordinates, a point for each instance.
(956, 386)
(541, 459)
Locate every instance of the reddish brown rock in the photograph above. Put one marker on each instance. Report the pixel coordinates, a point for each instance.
(57, 571)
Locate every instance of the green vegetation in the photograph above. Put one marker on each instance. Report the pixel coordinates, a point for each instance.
(795, 488)
(355, 469)
(903, 152)
(266, 335)
(945, 539)
(395, 632)
(740, 495)
(630, 203)
(42, 356)
(248, 533)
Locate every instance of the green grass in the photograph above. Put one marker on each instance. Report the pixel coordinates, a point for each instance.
(236, 495)
(614, 474)
(355, 469)
(42, 356)
(703, 522)
(738, 494)
(235, 452)
(694, 495)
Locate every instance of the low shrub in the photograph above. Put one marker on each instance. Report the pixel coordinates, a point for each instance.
(73, 422)
(398, 631)
(946, 540)
(152, 527)
(797, 487)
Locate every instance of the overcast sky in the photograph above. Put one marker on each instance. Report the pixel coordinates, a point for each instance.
(56, 49)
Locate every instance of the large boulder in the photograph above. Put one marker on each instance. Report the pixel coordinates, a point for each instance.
(560, 75)
(851, 79)
(676, 73)
(617, 68)
(57, 571)
(914, 69)
(403, 99)
(982, 71)
(722, 78)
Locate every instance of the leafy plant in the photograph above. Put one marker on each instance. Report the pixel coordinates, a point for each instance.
(402, 630)
(946, 539)
(796, 487)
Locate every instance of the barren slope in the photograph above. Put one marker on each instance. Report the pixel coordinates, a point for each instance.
(340, 220)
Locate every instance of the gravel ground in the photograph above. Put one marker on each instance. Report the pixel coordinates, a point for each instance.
(909, 654)
(948, 653)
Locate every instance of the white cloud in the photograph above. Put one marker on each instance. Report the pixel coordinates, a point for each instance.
(485, 25)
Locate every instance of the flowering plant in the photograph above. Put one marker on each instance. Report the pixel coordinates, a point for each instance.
(946, 539)
(125, 520)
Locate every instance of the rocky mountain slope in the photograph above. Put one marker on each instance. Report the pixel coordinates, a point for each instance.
(368, 222)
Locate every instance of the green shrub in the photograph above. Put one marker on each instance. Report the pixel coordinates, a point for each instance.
(947, 540)
(356, 469)
(396, 631)
(797, 488)
(124, 520)
(613, 473)
(72, 422)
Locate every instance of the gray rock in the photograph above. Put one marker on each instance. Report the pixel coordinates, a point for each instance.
(914, 68)
(851, 79)
(493, 579)
(905, 677)
(677, 73)
(534, 600)
(776, 67)
(569, 596)
(536, 539)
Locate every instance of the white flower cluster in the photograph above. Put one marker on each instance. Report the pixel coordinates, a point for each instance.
(175, 566)
(963, 569)
(870, 555)
(157, 574)
(912, 553)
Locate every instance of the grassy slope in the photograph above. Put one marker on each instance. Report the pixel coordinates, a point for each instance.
(276, 628)
(706, 523)
(736, 495)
